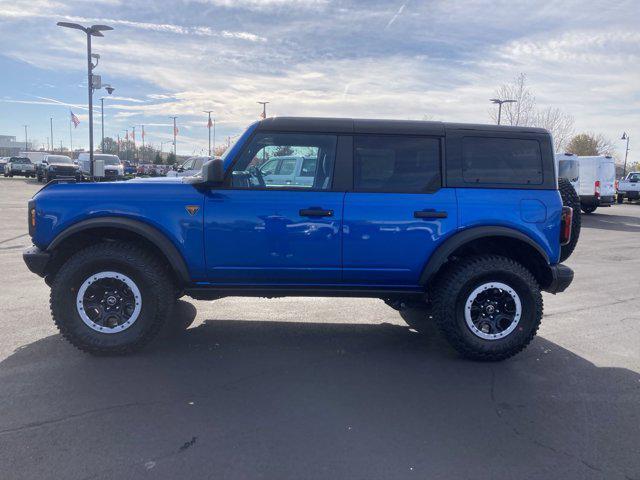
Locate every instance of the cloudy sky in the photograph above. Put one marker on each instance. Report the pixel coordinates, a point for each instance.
(434, 59)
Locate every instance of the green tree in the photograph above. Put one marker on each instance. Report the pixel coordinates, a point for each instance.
(158, 159)
(589, 144)
(171, 159)
(110, 146)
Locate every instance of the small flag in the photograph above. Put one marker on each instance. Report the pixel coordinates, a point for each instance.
(74, 119)
(263, 116)
(210, 123)
(175, 130)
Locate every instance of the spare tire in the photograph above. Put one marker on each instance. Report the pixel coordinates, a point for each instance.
(570, 199)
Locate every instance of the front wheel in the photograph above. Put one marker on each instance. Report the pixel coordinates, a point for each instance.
(488, 307)
(111, 298)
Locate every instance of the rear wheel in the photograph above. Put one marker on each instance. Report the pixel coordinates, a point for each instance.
(588, 209)
(111, 298)
(488, 307)
(570, 199)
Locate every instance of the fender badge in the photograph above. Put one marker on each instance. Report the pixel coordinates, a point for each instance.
(192, 209)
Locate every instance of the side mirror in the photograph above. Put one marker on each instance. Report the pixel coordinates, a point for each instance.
(213, 172)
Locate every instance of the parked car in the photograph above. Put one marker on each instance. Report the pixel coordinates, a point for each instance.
(113, 168)
(19, 166)
(3, 163)
(629, 188)
(597, 182)
(56, 166)
(469, 234)
(569, 169)
(289, 170)
(189, 167)
(129, 168)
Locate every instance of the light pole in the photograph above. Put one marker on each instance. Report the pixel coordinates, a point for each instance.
(209, 124)
(626, 154)
(264, 109)
(175, 131)
(133, 136)
(500, 102)
(26, 148)
(92, 31)
(51, 126)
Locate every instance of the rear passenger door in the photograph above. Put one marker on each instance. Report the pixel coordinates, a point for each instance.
(398, 212)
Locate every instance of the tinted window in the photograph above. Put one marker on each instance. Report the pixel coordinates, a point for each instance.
(568, 169)
(198, 162)
(287, 166)
(254, 167)
(308, 167)
(396, 164)
(501, 160)
(58, 159)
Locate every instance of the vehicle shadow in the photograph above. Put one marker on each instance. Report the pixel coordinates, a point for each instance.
(621, 223)
(246, 399)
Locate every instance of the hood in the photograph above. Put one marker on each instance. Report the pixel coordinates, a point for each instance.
(155, 180)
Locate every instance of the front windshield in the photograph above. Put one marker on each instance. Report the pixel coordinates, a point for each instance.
(634, 177)
(58, 159)
(20, 160)
(108, 159)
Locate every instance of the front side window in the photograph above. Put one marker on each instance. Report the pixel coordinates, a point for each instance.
(271, 160)
(396, 164)
(501, 161)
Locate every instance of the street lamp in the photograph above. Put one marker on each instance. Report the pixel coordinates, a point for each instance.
(500, 102)
(264, 109)
(175, 132)
(209, 125)
(109, 90)
(92, 31)
(626, 153)
(26, 142)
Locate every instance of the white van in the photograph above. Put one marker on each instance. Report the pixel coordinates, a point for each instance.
(597, 176)
(113, 167)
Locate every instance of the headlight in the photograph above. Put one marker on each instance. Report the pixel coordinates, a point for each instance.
(51, 168)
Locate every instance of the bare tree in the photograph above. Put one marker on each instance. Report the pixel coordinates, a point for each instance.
(560, 125)
(522, 112)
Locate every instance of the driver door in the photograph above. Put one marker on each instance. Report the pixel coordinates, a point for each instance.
(258, 233)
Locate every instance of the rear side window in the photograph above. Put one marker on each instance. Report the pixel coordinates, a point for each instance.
(501, 160)
(396, 164)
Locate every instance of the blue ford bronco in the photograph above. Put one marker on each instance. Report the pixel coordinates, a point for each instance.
(463, 222)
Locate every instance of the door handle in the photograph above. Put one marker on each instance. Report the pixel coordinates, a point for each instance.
(315, 212)
(429, 214)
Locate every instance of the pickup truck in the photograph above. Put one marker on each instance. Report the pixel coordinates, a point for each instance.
(629, 188)
(463, 222)
(21, 166)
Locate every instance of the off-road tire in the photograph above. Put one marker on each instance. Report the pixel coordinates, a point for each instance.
(588, 209)
(457, 282)
(145, 269)
(570, 199)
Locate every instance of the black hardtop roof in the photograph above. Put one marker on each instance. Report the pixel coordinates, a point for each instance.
(357, 125)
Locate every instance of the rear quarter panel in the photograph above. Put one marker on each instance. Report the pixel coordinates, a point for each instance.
(160, 205)
(536, 213)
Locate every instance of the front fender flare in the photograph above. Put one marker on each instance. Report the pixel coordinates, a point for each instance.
(150, 233)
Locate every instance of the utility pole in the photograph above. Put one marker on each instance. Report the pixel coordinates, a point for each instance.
(51, 125)
(264, 109)
(209, 124)
(175, 131)
(142, 135)
(118, 145)
(26, 148)
(626, 154)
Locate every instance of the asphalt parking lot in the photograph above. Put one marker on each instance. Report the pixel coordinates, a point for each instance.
(327, 388)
